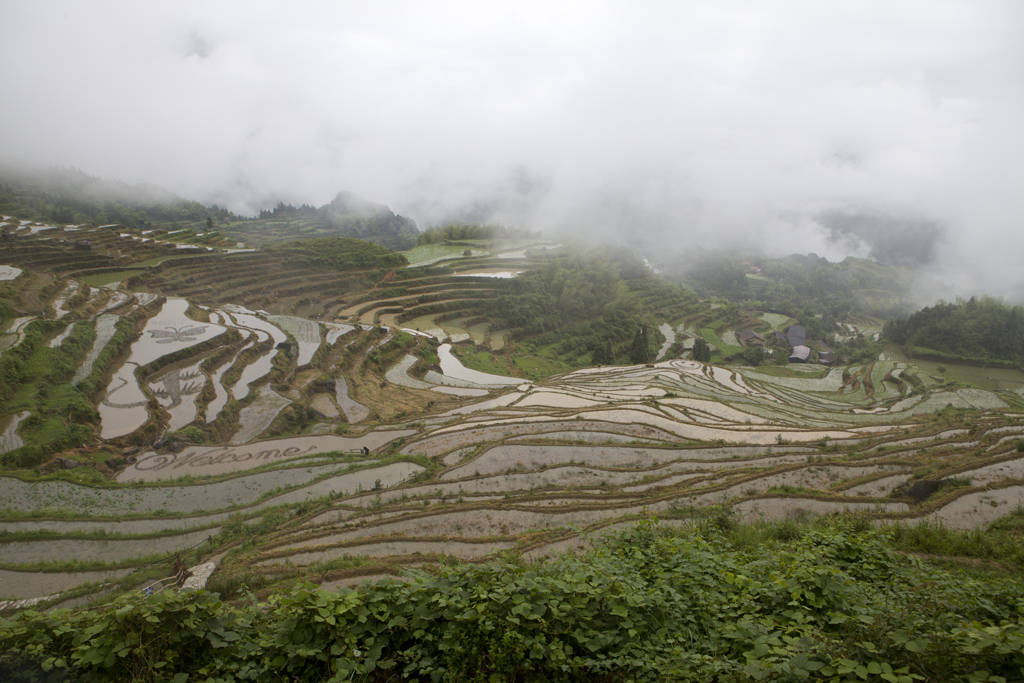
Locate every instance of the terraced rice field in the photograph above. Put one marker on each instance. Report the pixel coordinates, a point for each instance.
(263, 330)
(354, 411)
(123, 408)
(536, 463)
(257, 416)
(207, 461)
(220, 446)
(305, 332)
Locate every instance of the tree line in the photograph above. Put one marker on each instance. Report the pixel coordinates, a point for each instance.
(982, 329)
(593, 306)
(459, 232)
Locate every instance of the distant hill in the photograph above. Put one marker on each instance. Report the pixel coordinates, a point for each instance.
(798, 281)
(351, 215)
(71, 196)
(345, 216)
(66, 195)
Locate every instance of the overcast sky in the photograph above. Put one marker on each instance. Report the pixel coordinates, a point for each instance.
(691, 121)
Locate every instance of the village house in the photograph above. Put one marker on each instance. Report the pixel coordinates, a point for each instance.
(796, 335)
(800, 354)
(750, 338)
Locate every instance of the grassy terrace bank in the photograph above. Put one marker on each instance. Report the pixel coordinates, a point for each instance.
(714, 601)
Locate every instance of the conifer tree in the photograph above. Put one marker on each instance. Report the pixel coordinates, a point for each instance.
(640, 351)
(701, 350)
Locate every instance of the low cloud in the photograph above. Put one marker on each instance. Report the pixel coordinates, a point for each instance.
(675, 123)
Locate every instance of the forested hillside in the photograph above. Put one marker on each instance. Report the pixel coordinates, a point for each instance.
(976, 330)
(590, 302)
(798, 282)
(70, 196)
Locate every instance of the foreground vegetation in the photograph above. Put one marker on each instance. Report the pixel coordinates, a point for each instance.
(713, 602)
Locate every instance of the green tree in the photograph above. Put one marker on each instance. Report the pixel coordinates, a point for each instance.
(752, 355)
(603, 354)
(701, 350)
(640, 351)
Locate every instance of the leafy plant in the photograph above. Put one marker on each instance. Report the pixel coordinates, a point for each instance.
(827, 602)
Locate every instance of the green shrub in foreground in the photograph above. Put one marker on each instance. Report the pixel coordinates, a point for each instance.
(653, 604)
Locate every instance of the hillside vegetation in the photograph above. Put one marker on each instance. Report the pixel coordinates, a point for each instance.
(798, 282)
(711, 603)
(345, 215)
(339, 253)
(70, 196)
(974, 330)
(588, 306)
(471, 233)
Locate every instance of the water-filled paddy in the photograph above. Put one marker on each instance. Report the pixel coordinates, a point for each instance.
(52, 496)
(17, 584)
(399, 374)
(501, 274)
(99, 550)
(565, 452)
(974, 510)
(59, 338)
(254, 418)
(9, 273)
(170, 331)
(306, 334)
(509, 458)
(877, 487)
(198, 461)
(10, 439)
(461, 391)
(354, 410)
(220, 396)
(123, 408)
(177, 391)
(471, 524)
(453, 367)
(335, 331)
(784, 508)
(990, 474)
(460, 549)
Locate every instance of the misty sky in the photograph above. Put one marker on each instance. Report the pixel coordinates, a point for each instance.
(682, 121)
